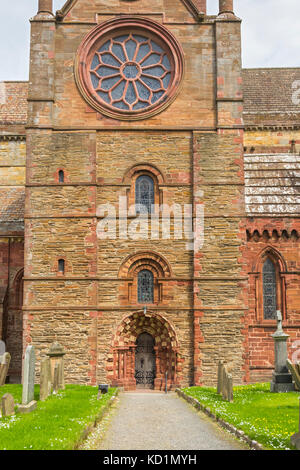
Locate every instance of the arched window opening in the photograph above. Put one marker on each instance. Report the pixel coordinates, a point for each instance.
(61, 176)
(269, 290)
(145, 287)
(61, 266)
(144, 194)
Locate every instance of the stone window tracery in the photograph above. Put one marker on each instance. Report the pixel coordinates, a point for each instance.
(129, 68)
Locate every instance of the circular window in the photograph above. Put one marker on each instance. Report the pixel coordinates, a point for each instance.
(129, 68)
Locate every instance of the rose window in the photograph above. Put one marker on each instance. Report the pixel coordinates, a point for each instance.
(131, 72)
(129, 69)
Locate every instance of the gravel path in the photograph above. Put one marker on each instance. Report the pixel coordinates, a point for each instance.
(156, 421)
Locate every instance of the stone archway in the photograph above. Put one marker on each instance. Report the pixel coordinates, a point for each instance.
(122, 372)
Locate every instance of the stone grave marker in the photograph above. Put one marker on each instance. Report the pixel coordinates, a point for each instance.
(56, 377)
(28, 402)
(225, 383)
(45, 379)
(282, 380)
(293, 368)
(4, 366)
(7, 405)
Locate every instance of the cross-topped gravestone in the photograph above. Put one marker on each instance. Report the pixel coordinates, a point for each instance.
(282, 381)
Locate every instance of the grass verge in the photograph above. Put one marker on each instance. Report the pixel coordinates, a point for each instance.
(59, 423)
(268, 418)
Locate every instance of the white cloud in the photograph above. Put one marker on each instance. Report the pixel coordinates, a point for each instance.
(270, 33)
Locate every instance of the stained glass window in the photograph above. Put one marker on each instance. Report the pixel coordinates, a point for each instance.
(131, 72)
(145, 286)
(144, 194)
(269, 290)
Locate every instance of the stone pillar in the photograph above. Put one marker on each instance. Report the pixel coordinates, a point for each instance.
(45, 6)
(282, 380)
(225, 6)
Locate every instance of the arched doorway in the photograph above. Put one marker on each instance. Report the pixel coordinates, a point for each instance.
(124, 361)
(145, 361)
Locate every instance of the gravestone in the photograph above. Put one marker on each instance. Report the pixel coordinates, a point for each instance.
(225, 383)
(28, 402)
(56, 378)
(295, 439)
(282, 380)
(7, 405)
(294, 370)
(2, 348)
(45, 379)
(56, 354)
(220, 377)
(4, 366)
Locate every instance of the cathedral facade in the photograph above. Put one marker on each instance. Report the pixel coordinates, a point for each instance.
(150, 197)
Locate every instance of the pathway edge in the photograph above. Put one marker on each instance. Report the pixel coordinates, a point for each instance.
(223, 424)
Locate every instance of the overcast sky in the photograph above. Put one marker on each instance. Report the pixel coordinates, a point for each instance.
(270, 33)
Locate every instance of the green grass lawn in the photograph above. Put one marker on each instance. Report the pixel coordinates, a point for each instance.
(57, 423)
(268, 418)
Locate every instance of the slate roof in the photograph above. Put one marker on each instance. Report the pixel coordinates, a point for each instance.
(271, 98)
(13, 102)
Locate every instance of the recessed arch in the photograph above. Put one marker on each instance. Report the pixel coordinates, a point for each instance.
(270, 284)
(133, 263)
(274, 255)
(143, 168)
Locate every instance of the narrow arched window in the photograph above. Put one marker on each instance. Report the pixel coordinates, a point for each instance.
(144, 194)
(61, 176)
(269, 290)
(61, 266)
(145, 286)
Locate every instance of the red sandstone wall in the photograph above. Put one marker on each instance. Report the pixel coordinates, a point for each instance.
(264, 233)
(12, 263)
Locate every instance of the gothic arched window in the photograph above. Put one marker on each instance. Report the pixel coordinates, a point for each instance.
(269, 290)
(144, 194)
(145, 286)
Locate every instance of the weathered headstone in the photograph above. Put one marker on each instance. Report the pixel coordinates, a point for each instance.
(45, 379)
(28, 403)
(62, 374)
(2, 348)
(295, 373)
(295, 439)
(220, 377)
(7, 405)
(4, 366)
(56, 354)
(282, 380)
(225, 383)
(56, 378)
